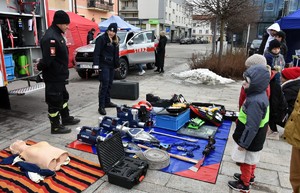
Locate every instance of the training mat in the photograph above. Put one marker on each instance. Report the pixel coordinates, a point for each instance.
(210, 169)
(78, 175)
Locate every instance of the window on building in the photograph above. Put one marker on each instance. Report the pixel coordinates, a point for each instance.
(200, 31)
(166, 15)
(194, 31)
(134, 4)
(269, 5)
(176, 7)
(176, 18)
(170, 3)
(207, 31)
(293, 5)
(169, 16)
(173, 11)
(126, 3)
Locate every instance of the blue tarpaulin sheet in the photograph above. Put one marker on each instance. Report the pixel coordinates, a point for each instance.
(210, 168)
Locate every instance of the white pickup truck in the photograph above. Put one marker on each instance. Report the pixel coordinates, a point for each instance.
(135, 48)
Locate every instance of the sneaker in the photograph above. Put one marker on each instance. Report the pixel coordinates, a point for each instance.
(142, 72)
(101, 111)
(157, 70)
(238, 186)
(110, 104)
(237, 176)
(70, 121)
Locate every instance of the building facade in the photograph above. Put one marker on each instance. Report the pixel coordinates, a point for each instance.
(202, 28)
(167, 15)
(272, 10)
(95, 10)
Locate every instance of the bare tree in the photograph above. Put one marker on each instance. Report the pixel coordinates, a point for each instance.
(223, 11)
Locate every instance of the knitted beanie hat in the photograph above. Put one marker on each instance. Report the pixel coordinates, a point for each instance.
(255, 59)
(281, 34)
(113, 27)
(274, 44)
(61, 17)
(291, 73)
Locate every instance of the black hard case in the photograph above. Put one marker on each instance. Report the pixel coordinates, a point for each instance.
(121, 170)
(125, 90)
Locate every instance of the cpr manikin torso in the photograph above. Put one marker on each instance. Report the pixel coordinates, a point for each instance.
(42, 154)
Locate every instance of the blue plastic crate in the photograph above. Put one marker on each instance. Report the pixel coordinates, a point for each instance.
(171, 122)
(10, 73)
(8, 60)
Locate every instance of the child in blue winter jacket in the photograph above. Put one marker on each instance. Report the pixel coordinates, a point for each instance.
(251, 128)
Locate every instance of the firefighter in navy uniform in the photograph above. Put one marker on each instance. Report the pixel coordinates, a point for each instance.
(56, 73)
(106, 56)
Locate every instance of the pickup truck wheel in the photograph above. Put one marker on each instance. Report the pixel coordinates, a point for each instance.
(85, 74)
(150, 66)
(123, 71)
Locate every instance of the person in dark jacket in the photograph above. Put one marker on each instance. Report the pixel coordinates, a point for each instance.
(251, 127)
(90, 36)
(290, 85)
(273, 56)
(268, 36)
(161, 52)
(278, 106)
(281, 37)
(106, 56)
(54, 66)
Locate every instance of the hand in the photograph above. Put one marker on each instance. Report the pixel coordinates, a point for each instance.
(241, 148)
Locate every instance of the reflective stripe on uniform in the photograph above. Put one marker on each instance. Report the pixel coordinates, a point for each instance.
(65, 105)
(53, 114)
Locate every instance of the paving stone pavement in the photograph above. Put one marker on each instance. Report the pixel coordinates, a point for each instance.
(272, 174)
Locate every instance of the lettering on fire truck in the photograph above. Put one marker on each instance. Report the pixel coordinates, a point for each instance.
(140, 50)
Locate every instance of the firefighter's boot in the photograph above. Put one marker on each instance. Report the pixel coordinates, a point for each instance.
(56, 127)
(66, 119)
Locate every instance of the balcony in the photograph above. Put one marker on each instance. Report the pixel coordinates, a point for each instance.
(130, 9)
(100, 5)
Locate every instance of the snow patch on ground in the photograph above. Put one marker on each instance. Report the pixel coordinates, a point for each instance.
(202, 76)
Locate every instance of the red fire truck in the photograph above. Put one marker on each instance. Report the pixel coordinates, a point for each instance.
(22, 25)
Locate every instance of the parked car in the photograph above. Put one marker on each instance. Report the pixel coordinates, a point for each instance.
(254, 47)
(135, 48)
(185, 41)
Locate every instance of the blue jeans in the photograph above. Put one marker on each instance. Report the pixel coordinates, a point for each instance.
(140, 66)
(106, 77)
